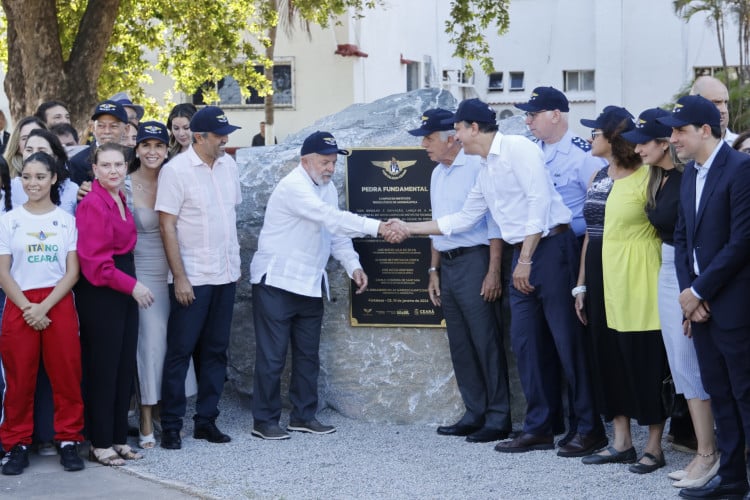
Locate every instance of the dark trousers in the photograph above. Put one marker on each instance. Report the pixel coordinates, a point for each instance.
(280, 316)
(547, 335)
(205, 324)
(475, 340)
(724, 360)
(109, 338)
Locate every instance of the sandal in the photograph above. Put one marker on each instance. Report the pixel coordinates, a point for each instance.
(105, 456)
(146, 442)
(126, 452)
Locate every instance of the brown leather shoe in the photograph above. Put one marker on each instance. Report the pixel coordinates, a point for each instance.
(582, 445)
(526, 442)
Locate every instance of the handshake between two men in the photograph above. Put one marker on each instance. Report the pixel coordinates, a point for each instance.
(394, 230)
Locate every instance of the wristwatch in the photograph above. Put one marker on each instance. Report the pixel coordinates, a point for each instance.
(433, 270)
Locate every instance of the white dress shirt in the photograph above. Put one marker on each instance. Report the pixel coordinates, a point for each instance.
(516, 188)
(700, 181)
(302, 227)
(449, 186)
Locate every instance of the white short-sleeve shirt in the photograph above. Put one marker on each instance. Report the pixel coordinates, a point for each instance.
(204, 199)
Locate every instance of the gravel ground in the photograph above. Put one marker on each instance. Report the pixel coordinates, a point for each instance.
(364, 460)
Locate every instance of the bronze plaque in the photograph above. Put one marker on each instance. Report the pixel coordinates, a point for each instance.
(384, 183)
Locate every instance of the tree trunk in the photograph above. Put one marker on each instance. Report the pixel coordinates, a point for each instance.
(36, 69)
(268, 100)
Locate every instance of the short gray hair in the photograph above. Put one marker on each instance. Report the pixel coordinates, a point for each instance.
(444, 134)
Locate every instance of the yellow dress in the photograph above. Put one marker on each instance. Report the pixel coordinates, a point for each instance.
(631, 257)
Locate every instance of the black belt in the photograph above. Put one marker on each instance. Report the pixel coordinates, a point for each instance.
(457, 252)
(560, 228)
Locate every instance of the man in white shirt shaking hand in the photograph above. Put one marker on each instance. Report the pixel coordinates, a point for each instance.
(303, 226)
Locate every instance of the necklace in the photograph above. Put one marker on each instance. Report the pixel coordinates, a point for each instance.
(141, 187)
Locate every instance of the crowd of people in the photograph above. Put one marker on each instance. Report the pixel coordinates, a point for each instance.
(643, 233)
(139, 225)
(628, 271)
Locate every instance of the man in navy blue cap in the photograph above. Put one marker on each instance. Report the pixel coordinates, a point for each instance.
(517, 190)
(570, 164)
(712, 245)
(196, 198)
(465, 281)
(110, 122)
(135, 112)
(302, 228)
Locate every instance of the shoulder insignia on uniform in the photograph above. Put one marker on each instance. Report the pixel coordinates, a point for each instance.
(581, 143)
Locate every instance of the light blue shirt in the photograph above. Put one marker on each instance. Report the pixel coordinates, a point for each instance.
(571, 167)
(449, 188)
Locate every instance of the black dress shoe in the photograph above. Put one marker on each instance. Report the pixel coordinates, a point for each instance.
(170, 439)
(567, 438)
(526, 442)
(615, 457)
(211, 433)
(717, 488)
(583, 444)
(457, 430)
(487, 435)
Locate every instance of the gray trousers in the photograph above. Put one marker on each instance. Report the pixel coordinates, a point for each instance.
(475, 340)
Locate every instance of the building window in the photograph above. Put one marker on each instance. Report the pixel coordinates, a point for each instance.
(516, 81)
(578, 80)
(229, 90)
(496, 81)
(732, 71)
(412, 76)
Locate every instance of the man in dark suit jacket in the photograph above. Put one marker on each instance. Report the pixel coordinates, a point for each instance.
(712, 257)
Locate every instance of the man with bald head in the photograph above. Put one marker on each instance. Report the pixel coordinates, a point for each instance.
(715, 91)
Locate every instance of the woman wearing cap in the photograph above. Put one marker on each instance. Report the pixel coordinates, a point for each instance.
(151, 269)
(618, 279)
(663, 195)
(178, 125)
(107, 299)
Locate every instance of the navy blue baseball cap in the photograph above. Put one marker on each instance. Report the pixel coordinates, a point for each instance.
(432, 121)
(610, 118)
(124, 100)
(111, 108)
(152, 130)
(472, 110)
(212, 119)
(647, 128)
(545, 99)
(322, 143)
(692, 110)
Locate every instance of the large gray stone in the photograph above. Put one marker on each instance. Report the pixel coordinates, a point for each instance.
(377, 374)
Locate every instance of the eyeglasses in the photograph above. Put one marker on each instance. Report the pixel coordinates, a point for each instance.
(595, 134)
(532, 114)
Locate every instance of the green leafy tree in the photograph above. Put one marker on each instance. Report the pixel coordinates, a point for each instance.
(82, 51)
(467, 27)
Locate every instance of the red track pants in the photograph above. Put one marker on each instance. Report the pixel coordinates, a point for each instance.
(60, 348)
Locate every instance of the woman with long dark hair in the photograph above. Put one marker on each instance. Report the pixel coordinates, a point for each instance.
(38, 268)
(618, 279)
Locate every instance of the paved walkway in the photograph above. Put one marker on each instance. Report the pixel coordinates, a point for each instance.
(360, 460)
